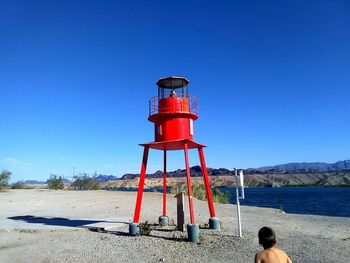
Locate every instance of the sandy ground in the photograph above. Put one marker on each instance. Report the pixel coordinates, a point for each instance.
(48, 226)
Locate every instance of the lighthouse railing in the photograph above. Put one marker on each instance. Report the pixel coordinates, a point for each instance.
(153, 105)
(191, 105)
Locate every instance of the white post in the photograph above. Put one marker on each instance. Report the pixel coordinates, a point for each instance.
(241, 181)
(239, 184)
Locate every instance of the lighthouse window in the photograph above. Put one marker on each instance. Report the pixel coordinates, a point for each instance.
(159, 129)
(191, 126)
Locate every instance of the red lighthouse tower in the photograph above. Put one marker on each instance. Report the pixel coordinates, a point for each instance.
(173, 112)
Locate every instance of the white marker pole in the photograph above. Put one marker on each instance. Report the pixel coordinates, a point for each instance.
(241, 181)
(238, 206)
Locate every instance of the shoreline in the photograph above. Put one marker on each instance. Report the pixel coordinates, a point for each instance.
(326, 238)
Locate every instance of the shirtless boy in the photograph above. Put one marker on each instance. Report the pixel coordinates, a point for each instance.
(270, 254)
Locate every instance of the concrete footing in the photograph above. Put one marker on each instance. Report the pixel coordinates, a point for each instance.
(193, 232)
(163, 220)
(214, 223)
(134, 229)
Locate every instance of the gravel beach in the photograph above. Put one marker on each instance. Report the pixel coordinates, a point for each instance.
(57, 226)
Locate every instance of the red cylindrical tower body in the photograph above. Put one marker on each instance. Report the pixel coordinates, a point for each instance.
(173, 111)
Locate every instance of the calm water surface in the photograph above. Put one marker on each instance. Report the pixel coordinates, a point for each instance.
(329, 201)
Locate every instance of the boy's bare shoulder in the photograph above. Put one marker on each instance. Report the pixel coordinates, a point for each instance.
(272, 255)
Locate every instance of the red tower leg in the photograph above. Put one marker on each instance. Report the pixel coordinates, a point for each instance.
(189, 186)
(164, 186)
(141, 184)
(206, 182)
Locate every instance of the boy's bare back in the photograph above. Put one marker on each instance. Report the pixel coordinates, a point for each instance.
(272, 255)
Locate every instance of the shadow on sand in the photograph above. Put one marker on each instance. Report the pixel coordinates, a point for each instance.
(58, 221)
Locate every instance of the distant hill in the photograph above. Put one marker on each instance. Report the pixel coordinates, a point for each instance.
(32, 182)
(194, 170)
(291, 174)
(99, 178)
(289, 168)
(105, 178)
(66, 181)
(317, 173)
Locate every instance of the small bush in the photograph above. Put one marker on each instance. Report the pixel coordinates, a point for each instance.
(175, 190)
(180, 188)
(198, 191)
(55, 182)
(220, 197)
(85, 182)
(4, 179)
(145, 228)
(18, 185)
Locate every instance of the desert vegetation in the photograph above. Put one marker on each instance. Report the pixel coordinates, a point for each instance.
(85, 182)
(4, 179)
(19, 185)
(198, 191)
(55, 182)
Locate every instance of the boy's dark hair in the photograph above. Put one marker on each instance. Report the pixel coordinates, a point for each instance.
(267, 237)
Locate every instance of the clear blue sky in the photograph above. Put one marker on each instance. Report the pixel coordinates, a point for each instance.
(272, 79)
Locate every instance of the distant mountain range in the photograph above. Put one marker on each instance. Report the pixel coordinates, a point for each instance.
(32, 182)
(66, 181)
(289, 168)
(291, 174)
(99, 178)
(292, 168)
(105, 178)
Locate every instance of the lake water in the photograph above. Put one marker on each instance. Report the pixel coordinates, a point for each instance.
(329, 201)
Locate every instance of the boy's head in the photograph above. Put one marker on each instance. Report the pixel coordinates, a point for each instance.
(267, 237)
